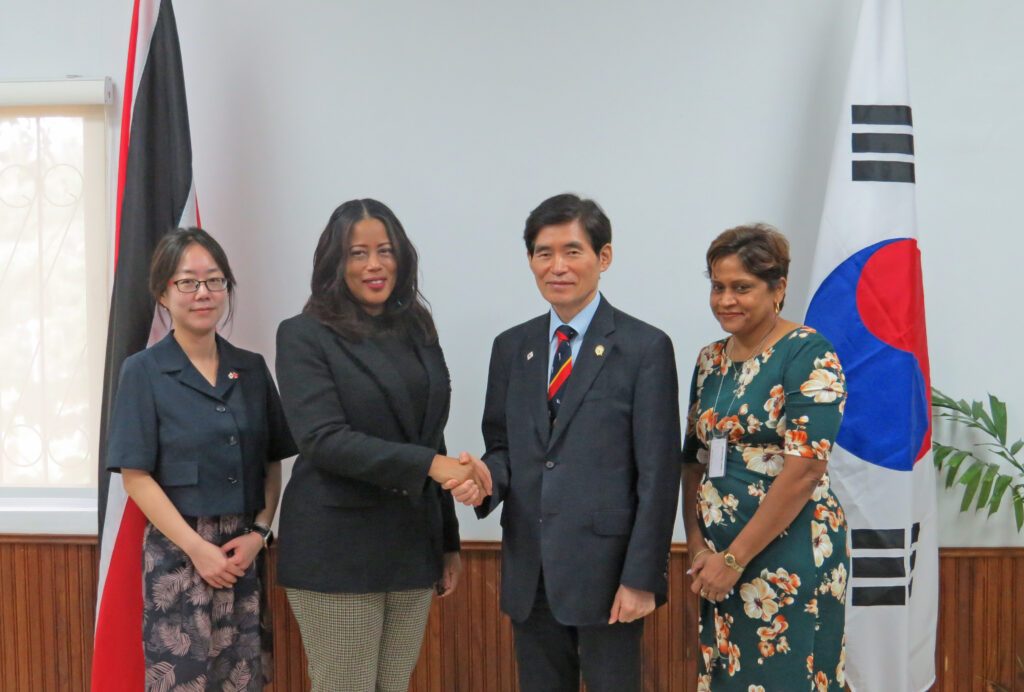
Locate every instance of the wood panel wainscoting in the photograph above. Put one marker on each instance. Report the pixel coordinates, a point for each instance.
(48, 590)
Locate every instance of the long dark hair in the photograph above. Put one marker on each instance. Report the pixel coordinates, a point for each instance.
(167, 256)
(330, 300)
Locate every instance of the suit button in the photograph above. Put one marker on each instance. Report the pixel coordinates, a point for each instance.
(232, 440)
(405, 492)
(221, 408)
(232, 480)
(549, 464)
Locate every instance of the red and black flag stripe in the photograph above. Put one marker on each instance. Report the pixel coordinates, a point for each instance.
(155, 194)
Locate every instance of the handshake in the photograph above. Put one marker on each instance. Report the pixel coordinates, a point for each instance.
(467, 477)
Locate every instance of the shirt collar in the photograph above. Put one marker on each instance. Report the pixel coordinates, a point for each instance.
(580, 322)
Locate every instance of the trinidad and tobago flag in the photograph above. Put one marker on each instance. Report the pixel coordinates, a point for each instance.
(869, 301)
(155, 194)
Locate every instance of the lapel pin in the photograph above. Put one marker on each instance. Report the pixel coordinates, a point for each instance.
(232, 375)
(599, 350)
(529, 356)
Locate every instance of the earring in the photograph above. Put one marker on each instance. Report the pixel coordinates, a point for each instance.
(778, 308)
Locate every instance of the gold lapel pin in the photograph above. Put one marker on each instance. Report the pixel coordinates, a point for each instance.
(529, 356)
(599, 350)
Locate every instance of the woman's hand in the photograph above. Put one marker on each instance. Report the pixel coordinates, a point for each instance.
(699, 561)
(452, 473)
(468, 492)
(450, 574)
(715, 579)
(213, 565)
(243, 549)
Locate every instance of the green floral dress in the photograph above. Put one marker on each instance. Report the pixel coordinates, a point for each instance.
(782, 628)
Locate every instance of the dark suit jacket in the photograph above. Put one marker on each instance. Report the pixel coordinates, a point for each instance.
(205, 445)
(592, 499)
(360, 513)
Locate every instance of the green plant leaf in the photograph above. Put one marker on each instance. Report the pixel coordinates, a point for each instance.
(1016, 447)
(1001, 451)
(998, 490)
(971, 479)
(981, 418)
(953, 464)
(942, 400)
(1018, 508)
(998, 417)
(940, 452)
(987, 479)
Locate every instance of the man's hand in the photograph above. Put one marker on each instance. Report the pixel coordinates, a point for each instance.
(631, 604)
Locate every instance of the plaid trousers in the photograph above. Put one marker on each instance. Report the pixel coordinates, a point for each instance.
(361, 642)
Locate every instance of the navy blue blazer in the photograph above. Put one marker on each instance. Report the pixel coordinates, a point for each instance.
(591, 500)
(207, 446)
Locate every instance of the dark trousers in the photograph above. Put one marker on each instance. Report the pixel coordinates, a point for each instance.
(550, 655)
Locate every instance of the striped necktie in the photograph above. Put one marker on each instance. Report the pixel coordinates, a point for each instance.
(561, 368)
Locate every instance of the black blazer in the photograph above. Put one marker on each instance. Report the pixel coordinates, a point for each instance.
(593, 499)
(205, 445)
(360, 513)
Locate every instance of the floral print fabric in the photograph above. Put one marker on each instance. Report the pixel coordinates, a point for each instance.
(782, 628)
(196, 637)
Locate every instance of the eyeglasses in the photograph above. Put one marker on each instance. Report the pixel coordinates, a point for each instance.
(214, 285)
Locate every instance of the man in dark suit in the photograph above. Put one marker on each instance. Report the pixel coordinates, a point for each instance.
(581, 424)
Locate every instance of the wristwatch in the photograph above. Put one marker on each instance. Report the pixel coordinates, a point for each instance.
(730, 561)
(264, 532)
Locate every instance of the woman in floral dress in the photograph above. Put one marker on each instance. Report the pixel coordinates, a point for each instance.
(766, 535)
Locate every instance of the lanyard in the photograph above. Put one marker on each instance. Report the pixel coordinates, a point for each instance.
(715, 432)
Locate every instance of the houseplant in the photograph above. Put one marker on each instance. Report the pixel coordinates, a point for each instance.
(987, 483)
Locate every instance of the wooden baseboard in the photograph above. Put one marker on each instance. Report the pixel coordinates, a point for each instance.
(48, 592)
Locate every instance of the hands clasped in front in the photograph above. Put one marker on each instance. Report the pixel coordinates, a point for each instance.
(467, 477)
(221, 566)
(712, 578)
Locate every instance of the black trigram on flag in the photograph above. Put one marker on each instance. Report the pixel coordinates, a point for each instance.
(883, 566)
(886, 130)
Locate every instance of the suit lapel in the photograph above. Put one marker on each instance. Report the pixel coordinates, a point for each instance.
(171, 358)
(597, 345)
(377, 367)
(535, 372)
(229, 370)
(440, 386)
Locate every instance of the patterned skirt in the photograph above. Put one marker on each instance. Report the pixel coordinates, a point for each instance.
(197, 637)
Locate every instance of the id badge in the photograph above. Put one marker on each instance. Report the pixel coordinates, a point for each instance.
(716, 461)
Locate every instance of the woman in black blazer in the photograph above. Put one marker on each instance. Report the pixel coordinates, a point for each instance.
(367, 534)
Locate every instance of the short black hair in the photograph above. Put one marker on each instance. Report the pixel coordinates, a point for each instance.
(167, 256)
(564, 208)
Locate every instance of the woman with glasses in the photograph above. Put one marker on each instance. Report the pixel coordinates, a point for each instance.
(367, 534)
(196, 433)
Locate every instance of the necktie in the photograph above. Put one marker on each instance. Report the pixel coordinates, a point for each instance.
(561, 368)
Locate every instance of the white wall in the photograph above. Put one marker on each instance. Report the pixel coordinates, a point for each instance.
(680, 118)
